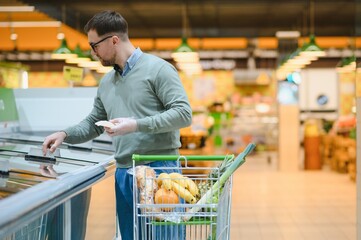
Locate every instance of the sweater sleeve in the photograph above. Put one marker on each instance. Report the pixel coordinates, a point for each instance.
(171, 93)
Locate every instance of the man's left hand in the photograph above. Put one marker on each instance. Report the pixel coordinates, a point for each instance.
(122, 126)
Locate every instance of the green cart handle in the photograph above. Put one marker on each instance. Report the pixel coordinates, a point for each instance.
(242, 155)
(137, 157)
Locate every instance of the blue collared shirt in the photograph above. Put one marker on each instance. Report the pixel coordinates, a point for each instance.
(132, 60)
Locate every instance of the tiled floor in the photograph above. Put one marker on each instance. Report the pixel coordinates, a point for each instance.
(312, 205)
(266, 204)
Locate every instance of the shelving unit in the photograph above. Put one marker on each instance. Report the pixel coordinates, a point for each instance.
(247, 125)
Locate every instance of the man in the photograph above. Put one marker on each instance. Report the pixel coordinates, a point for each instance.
(144, 98)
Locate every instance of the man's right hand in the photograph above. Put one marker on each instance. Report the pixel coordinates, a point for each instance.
(53, 141)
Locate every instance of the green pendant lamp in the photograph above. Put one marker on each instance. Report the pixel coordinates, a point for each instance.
(63, 52)
(184, 53)
(311, 49)
(347, 64)
(296, 59)
(187, 60)
(80, 56)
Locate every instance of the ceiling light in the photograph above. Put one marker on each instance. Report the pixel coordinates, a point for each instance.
(298, 61)
(31, 24)
(186, 58)
(184, 53)
(185, 66)
(17, 8)
(60, 36)
(288, 34)
(63, 52)
(190, 68)
(103, 69)
(312, 49)
(13, 36)
(347, 64)
(90, 64)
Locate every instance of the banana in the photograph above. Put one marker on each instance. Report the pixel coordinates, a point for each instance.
(164, 181)
(192, 187)
(183, 193)
(179, 178)
(185, 182)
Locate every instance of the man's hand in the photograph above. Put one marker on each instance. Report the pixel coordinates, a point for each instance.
(53, 141)
(122, 126)
(48, 171)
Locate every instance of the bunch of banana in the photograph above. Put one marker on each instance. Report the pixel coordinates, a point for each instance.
(183, 193)
(181, 185)
(164, 181)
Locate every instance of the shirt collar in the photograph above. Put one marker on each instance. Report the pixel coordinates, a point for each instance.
(132, 60)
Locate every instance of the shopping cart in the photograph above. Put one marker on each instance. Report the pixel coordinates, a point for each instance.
(169, 206)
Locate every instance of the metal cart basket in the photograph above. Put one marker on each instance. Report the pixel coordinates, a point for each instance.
(189, 200)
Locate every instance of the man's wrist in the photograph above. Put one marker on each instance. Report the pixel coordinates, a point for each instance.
(136, 126)
(66, 135)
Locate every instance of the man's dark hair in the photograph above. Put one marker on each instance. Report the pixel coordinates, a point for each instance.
(107, 22)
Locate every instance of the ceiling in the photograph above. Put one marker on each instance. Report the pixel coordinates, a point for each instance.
(212, 18)
(220, 29)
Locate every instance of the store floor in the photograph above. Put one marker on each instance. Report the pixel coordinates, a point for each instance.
(266, 204)
(312, 205)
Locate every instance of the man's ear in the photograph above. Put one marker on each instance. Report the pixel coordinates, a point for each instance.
(115, 39)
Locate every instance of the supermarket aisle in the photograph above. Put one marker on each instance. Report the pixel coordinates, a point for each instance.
(267, 205)
(312, 205)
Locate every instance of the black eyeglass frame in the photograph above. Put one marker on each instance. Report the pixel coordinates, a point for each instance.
(93, 45)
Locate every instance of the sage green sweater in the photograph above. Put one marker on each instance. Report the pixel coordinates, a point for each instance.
(153, 94)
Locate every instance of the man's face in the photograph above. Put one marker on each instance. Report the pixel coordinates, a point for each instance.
(102, 47)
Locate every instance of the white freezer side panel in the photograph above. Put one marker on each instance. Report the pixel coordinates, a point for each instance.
(52, 109)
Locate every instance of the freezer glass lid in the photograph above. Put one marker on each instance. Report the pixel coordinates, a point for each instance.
(18, 173)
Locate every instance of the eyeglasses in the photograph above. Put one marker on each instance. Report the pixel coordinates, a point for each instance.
(94, 45)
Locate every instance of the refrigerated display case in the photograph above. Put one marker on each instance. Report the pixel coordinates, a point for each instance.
(47, 199)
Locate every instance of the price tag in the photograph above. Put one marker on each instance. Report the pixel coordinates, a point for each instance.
(73, 74)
